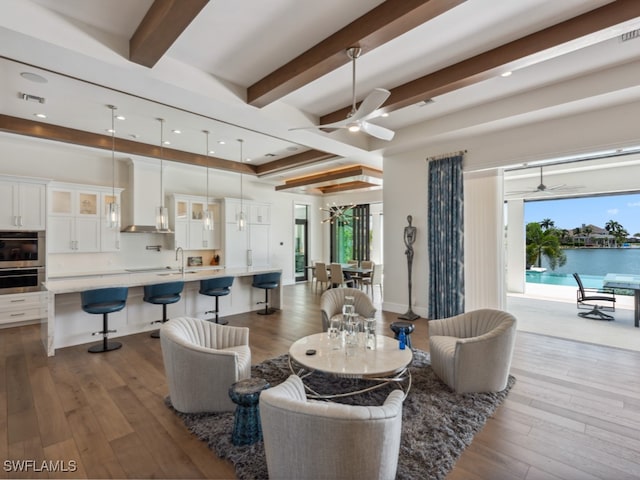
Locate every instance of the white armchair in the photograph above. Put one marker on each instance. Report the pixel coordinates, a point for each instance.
(201, 360)
(332, 300)
(472, 352)
(312, 439)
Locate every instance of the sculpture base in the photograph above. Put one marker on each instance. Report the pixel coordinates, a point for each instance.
(409, 315)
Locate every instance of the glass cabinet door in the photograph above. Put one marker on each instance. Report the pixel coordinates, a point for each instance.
(88, 204)
(181, 210)
(197, 210)
(61, 202)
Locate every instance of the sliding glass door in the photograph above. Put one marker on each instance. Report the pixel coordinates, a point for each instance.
(301, 242)
(350, 234)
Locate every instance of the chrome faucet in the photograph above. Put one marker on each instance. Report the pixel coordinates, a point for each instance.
(179, 249)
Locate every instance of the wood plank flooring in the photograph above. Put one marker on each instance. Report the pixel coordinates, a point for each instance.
(574, 412)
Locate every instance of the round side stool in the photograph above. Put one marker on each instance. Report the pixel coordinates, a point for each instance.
(246, 394)
(407, 327)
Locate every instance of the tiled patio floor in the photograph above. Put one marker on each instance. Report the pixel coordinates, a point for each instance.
(551, 310)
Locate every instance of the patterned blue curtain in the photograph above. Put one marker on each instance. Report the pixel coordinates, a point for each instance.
(445, 237)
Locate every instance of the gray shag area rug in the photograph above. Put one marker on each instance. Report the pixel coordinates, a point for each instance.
(437, 424)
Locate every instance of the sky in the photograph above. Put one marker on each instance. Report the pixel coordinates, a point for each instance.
(571, 213)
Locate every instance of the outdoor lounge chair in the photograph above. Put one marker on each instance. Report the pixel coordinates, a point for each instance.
(592, 298)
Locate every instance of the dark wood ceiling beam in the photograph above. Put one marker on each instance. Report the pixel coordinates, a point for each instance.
(46, 131)
(293, 161)
(534, 48)
(163, 23)
(378, 26)
(346, 187)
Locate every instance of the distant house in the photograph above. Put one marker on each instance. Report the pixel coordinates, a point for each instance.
(592, 236)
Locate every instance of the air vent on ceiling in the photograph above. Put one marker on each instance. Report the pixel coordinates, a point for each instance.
(31, 98)
(633, 34)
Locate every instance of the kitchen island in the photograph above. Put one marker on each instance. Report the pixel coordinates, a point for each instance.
(67, 324)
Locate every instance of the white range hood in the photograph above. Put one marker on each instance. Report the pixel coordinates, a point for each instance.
(142, 197)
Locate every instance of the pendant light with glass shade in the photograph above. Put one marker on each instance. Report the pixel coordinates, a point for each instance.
(162, 212)
(208, 214)
(241, 219)
(113, 208)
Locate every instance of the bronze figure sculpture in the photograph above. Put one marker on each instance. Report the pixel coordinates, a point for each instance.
(409, 239)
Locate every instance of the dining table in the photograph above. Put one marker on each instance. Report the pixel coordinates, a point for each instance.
(354, 270)
(628, 282)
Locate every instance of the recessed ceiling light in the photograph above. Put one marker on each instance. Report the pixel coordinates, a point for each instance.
(40, 115)
(177, 132)
(211, 152)
(292, 149)
(110, 130)
(221, 142)
(247, 159)
(120, 117)
(385, 115)
(506, 74)
(33, 77)
(166, 142)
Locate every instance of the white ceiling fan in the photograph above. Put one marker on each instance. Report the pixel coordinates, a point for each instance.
(357, 118)
(542, 188)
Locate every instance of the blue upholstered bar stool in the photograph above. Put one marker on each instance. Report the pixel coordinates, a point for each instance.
(162, 294)
(104, 301)
(267, 281)
(216, 287)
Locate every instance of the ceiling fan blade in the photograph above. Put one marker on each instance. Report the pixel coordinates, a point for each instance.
(341, 124)
(556, 187)
(370, 104)
(377, 131)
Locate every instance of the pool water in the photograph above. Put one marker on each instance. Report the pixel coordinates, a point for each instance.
(551, 278)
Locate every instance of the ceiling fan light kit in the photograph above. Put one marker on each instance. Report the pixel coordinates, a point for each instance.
(356, 120)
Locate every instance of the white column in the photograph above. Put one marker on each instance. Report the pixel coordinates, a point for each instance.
(515, 246)
(484, 240)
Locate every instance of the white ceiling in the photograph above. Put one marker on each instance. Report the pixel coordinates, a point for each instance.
(200, 83)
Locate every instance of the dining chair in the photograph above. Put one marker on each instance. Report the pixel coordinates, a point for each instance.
(365, 264)
(322, 276)
(337, 277)
(312, 269)
(374, 279)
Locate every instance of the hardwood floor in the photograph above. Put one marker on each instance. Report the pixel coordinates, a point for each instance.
(574, 412)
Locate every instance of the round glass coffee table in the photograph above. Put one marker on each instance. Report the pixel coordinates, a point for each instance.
(381, 366)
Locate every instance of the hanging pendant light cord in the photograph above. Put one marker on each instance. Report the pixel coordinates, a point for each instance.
(241, 194)
(113, 154)
(206, 132)
(161, 160)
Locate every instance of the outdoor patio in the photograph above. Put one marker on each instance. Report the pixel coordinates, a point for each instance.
(551, 310)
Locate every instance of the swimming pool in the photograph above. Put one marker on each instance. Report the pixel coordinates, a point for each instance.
(552, 278)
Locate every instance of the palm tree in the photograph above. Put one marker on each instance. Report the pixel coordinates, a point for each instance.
(588, 230)
(617, 230)
(547, 224)
(543, 243)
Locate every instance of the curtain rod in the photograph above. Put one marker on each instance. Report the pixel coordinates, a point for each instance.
(446, 155)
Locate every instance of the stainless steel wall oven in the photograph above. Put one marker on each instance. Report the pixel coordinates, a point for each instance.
(22, 261)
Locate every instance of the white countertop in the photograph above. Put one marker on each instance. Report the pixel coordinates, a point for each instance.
(123, 278)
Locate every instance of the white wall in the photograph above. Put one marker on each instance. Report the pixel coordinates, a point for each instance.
(25, 156)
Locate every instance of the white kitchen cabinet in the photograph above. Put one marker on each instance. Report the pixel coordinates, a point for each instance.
(259, 214)
(22, 204)
(21, 307)
(77, 219)
(251, 246)
(187, 215)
